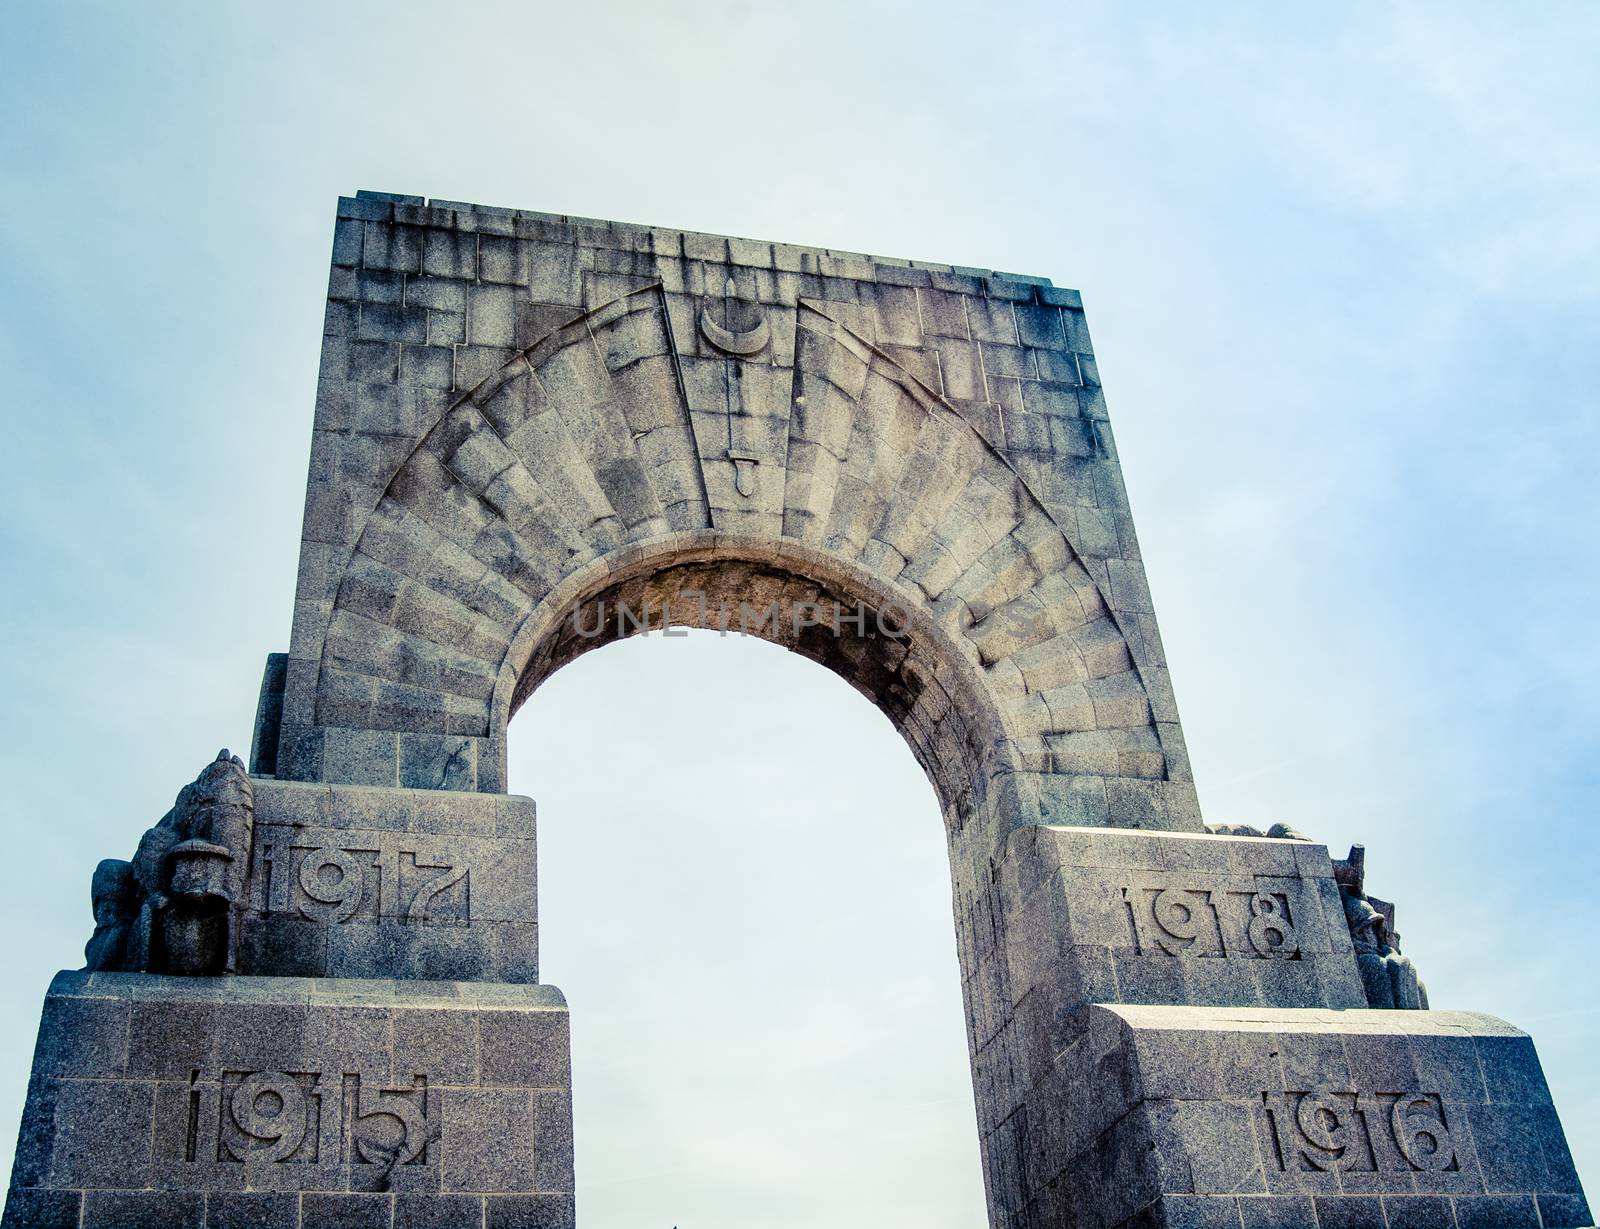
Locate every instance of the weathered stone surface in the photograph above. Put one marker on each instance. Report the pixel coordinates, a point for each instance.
(535, 435)
(330, 881)
(1096, 915)
(1096, 1112)
(1389, 977)
(1196, 1116)
(177, 906)
(1086, 916)
(269, 716)
(356, 881)
(293, 1102)
(725, 396)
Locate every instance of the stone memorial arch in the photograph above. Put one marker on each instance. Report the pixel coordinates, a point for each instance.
(312, 996)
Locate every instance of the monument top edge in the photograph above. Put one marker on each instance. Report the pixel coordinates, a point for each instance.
(1100, 832)
(370, 205)
(308, 991)
(1197, 1018)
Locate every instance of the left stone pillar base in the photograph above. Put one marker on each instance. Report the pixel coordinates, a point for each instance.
(295, 1103)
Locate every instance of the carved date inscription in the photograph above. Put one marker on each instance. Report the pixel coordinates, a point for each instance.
(331, 884)
(298, 1117)
(1199, 922)
(1327, 1130)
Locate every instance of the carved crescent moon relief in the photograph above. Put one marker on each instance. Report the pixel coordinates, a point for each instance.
(743, 332)
(733, 336)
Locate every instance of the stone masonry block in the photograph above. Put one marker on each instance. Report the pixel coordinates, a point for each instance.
(1041, 326)
(992, 320)
(300, 1103)
(380, 286)
(943, 314)
(1179, 917)
(363, 881)
(528, 1212)
(373, 362)
(429, 366)
(396, 248)
(390, 322)
(491, 315)
(446, 328)
(347, 241)
(1317, 1141)
(447, 253)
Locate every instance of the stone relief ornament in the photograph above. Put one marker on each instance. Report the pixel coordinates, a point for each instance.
(1278, 832)
(743, 332)
(175, 907)
(743, 329)
(1389, 976)
(1332, 1130)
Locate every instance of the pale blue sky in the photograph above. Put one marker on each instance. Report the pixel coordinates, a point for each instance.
(1341, 270)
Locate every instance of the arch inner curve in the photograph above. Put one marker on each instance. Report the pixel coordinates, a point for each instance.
(873, 637)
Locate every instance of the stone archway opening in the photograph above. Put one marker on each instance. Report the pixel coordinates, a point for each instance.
(822, 610)
(876, 641)
(744, 891)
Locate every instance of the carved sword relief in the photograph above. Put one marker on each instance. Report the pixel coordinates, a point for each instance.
(747, 341)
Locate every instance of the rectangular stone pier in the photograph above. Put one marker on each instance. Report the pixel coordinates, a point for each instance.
(1275, 1099)
(1238, 1118)
(362, 881)
(296, 1103)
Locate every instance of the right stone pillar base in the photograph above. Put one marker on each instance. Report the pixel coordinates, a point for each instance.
(1210, 1117)
(1274, 1098)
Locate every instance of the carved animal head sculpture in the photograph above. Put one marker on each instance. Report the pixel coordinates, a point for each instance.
(173, 909)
